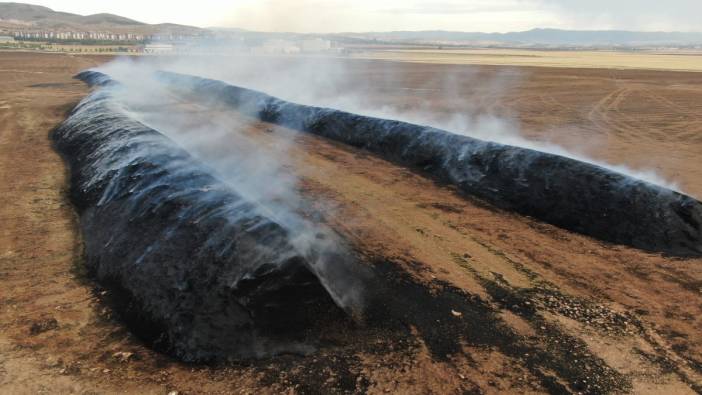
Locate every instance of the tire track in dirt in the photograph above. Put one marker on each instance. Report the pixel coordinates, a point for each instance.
(691, 126)
(604, 116)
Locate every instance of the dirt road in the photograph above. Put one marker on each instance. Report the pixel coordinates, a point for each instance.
(579, 314)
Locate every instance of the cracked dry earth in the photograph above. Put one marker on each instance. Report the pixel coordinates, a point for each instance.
(484, 301)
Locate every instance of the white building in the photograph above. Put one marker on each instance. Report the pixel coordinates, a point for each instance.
(316, 45)
(158, 48)
(277, 47)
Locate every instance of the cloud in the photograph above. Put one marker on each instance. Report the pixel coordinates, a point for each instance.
(366, 15)
(458, 7)
(672, 15)
(463, 15)
(374, 15)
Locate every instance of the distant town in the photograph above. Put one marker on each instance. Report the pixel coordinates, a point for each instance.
(80, 36)
(205, 41)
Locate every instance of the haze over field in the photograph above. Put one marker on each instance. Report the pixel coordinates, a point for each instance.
(503, 22)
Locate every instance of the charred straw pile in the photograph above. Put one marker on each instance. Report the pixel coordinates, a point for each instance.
(565, 192)
(198, 270)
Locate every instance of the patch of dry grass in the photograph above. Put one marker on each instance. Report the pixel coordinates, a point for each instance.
(646, 60)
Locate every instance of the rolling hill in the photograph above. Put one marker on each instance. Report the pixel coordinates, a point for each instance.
(546, 37)
(20, 16)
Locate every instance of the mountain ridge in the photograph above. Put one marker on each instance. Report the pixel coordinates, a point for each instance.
(23, 16)
(547, 36)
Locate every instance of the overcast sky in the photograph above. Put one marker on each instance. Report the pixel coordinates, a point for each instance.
(384, 15)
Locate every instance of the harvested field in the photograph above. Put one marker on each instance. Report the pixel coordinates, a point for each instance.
(629, 60)
(483, 299)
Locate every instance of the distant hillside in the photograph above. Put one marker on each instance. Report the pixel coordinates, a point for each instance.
(547, 37)
(539, 38)
(27, 16)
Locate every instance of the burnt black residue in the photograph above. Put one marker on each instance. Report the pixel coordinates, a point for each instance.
(568, 193)
(49, 85)
(431, 311)
(402, 311)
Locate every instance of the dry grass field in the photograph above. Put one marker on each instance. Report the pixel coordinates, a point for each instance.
(613, 319)
(647, 60)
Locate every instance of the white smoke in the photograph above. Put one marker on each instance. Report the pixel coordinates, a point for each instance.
(460, 99)
(253, 159)
(257, 161)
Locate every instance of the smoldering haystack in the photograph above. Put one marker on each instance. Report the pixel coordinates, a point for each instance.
(197, 270)
(575, 195)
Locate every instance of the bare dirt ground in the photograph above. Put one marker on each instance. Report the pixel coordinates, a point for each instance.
(507, 304)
